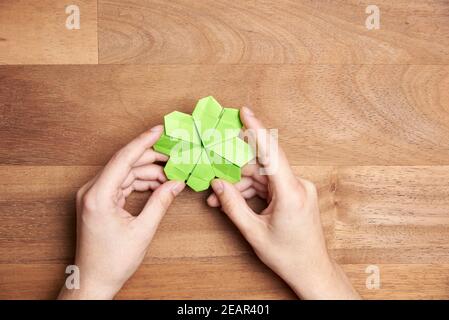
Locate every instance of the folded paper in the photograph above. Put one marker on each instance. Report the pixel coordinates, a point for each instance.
(204, 145)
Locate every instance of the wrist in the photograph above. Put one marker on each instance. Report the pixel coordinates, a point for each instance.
(320, 278)
(84, 293)
(88, 290)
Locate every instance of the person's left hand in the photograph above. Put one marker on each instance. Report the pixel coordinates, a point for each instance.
(111, 243)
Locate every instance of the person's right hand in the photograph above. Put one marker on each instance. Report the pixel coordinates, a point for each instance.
(287, 236)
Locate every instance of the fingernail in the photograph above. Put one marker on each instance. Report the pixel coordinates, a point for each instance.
(178, 187)
(248, 111)
(217, 185)
(157, 128)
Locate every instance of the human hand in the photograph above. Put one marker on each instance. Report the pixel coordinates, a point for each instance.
(287, 236)
(111, 243)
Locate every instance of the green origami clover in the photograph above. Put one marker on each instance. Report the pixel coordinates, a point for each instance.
(204, 145)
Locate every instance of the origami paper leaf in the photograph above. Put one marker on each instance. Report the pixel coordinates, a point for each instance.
(183, 158)
(180, 125)
(224, 169)
(165, 144)
(228, 172)
(204, 146)
(230, 125)
(202, 174)
(206, 115)
(234, 150)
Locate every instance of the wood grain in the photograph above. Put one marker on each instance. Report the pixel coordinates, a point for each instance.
(34, 32)
(391, 217)
(226, 281)
(326, 115)
(364, 114)
(281, 31)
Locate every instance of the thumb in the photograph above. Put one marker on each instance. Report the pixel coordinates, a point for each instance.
(158, 203)
(235, 207)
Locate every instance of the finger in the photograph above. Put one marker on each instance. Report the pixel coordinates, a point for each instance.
(249, 193)
(236, 208)
(212, 201)
(150, 156)
(244, 184)
(262, 195)
(121, 202)
(152, 172)
(117, 169)
(137, 185)
(252, 192)
(253, 170)
(141, 186)
(82, 191)
(269, 153)
(260, 187)
(247, 182)
(158, 203)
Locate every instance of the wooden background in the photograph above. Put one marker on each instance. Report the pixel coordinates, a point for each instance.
(364, 114)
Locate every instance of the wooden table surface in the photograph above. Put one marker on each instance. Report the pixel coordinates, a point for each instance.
(363, 113)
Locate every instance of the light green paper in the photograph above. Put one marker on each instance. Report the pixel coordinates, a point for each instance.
(229, 126)
(234, 150)
(165, 144)
(206, 116)
(183, 158)
(204, 146)
(181, 126)
(202, 174)
(224, 169)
